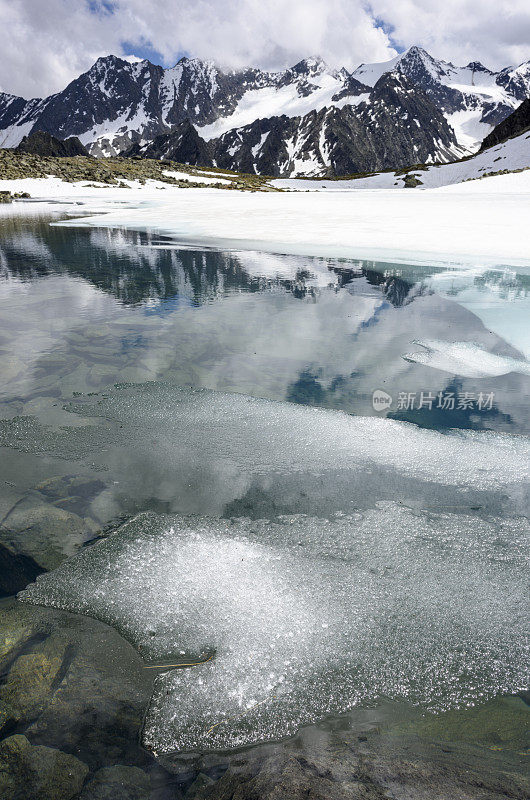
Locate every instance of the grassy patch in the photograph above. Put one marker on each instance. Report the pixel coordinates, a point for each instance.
(112, 171)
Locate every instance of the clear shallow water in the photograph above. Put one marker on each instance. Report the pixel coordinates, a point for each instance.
(84, 310)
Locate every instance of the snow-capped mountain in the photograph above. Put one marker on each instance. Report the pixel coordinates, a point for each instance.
(472, 98)
(508, 152)
(396, 125)
(117, 104)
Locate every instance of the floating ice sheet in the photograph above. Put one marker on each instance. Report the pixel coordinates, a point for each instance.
(465, 358)
(305, 616)
(184, 426)
(200, 451)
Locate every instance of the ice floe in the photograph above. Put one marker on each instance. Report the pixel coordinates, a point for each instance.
(168, 433)
(303, 617)
(465, 358)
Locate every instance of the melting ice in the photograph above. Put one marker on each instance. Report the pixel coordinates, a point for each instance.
(181, 431)
(304, 616)
(465, 358)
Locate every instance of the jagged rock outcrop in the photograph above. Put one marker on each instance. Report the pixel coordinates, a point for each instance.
(183, 144)
(41, 143)
(518, 122)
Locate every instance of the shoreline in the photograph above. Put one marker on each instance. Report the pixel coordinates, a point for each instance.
(480, 223)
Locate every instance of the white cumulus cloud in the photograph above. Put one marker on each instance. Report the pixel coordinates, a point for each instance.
(44, 45)
(496, 32)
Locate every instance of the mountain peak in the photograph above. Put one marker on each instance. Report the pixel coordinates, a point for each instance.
(416, 50)
(111, 59)
(314, 65)
(478, 66)
(419, 54)
(196, 63)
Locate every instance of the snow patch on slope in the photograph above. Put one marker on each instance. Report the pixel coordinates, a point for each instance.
(513, 154)
(272, 101)
(194, 178)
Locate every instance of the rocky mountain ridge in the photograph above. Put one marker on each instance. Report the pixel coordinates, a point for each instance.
(396, 126)
(516, 123)
(117, 104)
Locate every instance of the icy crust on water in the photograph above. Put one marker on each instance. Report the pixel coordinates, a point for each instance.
(304, 616)
(193, 429)
(465, 358)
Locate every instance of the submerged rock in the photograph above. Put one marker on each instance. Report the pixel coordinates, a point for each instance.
(343, 765)
(35, 772)
(201, 783)
(73, 684)
(28, 686)
(117, 783)
(36, 536)
(61, 486)
(73, 493)
(16, 571)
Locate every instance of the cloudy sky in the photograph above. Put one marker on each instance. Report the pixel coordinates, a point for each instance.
(46, 43)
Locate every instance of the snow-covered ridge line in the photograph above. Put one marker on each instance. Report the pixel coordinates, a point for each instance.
(117, 103)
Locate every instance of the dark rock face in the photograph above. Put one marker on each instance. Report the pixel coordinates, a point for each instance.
(183, 144)
(44, 144)
(396, 127)
(518, 122)
(352, 88)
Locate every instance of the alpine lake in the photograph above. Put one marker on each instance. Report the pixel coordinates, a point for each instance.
(264, 522)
